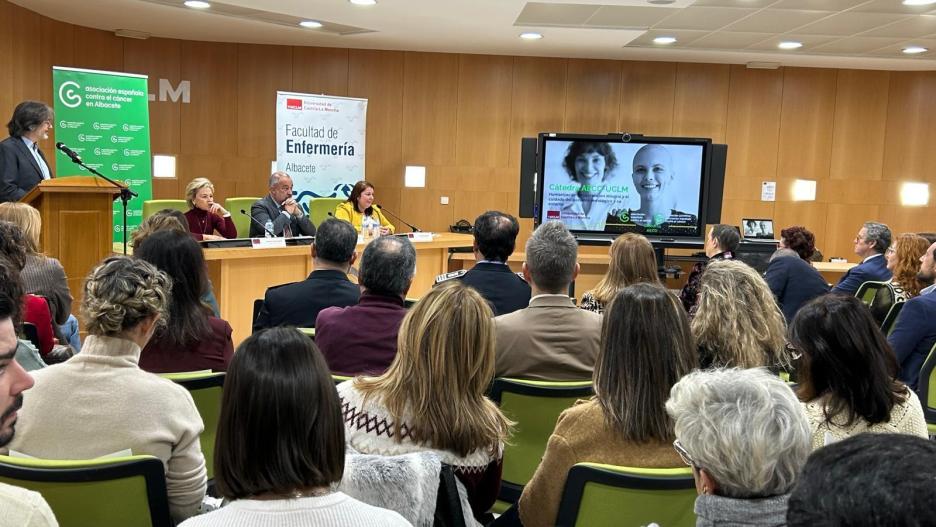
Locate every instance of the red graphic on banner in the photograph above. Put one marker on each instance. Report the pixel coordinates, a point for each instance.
(293, 104)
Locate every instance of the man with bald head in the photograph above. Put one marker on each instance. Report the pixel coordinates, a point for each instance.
(654, 179)
(279, 207)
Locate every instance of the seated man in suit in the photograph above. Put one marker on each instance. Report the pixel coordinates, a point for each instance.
(495, 235)
(298, 304)
(872, 240)
(280, 208)
(362, 339)
(914, 331)
(22, 164)
(550, 339)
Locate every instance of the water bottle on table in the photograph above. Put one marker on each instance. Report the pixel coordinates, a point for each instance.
(268, 229)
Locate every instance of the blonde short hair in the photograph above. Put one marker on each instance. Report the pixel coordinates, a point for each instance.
(27, 219)
(194, 186)
(121, 292)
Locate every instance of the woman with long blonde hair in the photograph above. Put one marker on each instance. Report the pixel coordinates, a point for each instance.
(432, 395)
(632, 261)
(738, 323)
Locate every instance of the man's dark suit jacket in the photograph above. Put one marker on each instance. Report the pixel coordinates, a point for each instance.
(265, 208)
(913, 336)
(501, 287)
(298, 304)
(873, 270)
(794, 282)
(19, 172)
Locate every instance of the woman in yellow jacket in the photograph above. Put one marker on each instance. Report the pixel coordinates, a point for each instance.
(360, 212)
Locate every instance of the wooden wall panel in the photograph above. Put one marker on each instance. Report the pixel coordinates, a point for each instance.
(810, 214)
(482, 128)
(320, 70)
(25, 76)
(842, 224)
(593, 96)
(56, 48)
(378, 77)
(99, 50)
(858, 125)
(261, 72)
(735, 209)
(538, 100)
(701, 100)
(753, 124)
(909, 153)
(648, 94)
(209, 120)
(430, 86)
(806, 116)
(160, 59)
(7, 101)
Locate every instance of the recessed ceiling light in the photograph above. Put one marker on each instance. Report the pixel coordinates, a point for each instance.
(914, 50)
(197, 4)
(790, 44)
(531, 36)
(363, 2)
(919, 2)
(661, 2)
(311, 24)
(664, 40)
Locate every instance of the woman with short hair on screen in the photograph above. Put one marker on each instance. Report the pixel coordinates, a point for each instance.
(205, 217)
(359, 210)
(632, 261)
(280, 448)
(590, 165)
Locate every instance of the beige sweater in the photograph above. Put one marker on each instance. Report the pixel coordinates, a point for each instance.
(99, 402)
(581, 435)
(906, 418)
(24, 508)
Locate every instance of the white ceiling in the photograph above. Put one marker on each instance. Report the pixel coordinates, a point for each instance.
(836, 33)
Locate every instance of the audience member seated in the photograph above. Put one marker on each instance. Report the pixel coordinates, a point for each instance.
(100, 402)
(20, 507)
(280, 444)
(280, 208)
(866, 481)
(192, 339)
(299, 303)
(903, 261)
(738, 323)
(205, 217)
(746, 438)
(42, 275)
(173, 220)
(432, 396)
(551, 339)
(847, 375)
(720, 244)
(360, 212)
(632, 262)
(646, 347)
(363, 338)
(914, 332)
(870, 243)
(790, 276)
(495, 235)
(27, 355)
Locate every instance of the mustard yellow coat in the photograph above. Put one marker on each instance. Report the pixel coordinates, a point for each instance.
(345, 211)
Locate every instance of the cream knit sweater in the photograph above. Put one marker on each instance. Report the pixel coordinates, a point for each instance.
(24, 508)
(333, 509)
(906, 418)
(99, 402)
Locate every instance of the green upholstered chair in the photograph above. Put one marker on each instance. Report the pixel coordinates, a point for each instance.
(309, 332)
(234, 206)
(888, 325)
(340, 378)
(598, 495)
(108, 492)
(206, 388)
(534, 406)
(926, 390)
(867, 291)
(320, 207)
(151, 206)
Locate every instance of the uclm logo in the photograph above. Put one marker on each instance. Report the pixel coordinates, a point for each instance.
(293, 104)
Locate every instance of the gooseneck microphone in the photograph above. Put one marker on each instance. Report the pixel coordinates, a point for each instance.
(255, 220)
(410, 225)
(68, 152)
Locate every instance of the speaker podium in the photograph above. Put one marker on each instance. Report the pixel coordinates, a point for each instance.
(77, 223)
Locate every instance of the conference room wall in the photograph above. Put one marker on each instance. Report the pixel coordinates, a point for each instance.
(858, 134)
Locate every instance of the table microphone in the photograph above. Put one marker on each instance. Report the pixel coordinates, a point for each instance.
(255, 220)
(411, 226)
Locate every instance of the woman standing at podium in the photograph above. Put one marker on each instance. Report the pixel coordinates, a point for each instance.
(205, 216)
(360, 211)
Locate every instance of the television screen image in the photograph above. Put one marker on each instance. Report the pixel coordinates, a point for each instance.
(596, 184)
(758, 228)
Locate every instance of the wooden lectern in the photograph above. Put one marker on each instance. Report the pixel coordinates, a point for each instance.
(77, 223)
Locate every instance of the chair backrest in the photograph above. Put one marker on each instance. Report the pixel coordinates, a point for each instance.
(109, 492)
(309, 332)
(242, 222)
(206, 388)
(151, 206)
(534, 406)
(31, 334)
(926, 389)
(257, 305)
(597, 495)
(888, 325)
(868, 290)
(320, 207)
(340, 378)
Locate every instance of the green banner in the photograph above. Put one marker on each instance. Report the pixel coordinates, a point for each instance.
(104, 117)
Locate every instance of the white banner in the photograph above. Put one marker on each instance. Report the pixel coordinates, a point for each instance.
(320, 143)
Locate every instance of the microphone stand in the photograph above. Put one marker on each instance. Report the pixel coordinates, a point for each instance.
(412, 228)
(125, 194)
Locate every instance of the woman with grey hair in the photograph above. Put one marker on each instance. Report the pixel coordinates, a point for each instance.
(746, 437)
(100, 402)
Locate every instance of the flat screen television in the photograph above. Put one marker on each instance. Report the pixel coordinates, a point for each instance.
(612, 184)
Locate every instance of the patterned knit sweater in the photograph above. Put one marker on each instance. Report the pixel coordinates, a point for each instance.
(333, 509)
(906, 418)
(369, 430)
